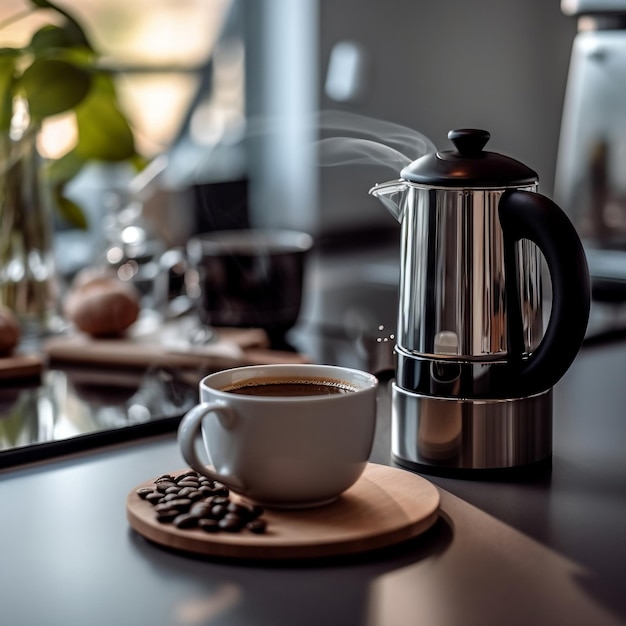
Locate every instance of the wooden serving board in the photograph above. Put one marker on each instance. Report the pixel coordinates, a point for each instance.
(384, 507)
(20, 366)
(236, 347)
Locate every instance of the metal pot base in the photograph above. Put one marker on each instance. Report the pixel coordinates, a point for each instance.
(459, 436)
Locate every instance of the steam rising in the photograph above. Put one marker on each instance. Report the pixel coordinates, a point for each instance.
(378, 142)
(351, 139)
(353, 151)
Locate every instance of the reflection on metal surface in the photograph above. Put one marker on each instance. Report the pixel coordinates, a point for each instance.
(453, 275)
(476, 434)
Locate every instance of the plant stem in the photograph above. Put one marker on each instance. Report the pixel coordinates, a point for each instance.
(27, 278)
(16, 18)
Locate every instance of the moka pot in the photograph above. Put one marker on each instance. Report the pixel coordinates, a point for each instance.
(475, 366)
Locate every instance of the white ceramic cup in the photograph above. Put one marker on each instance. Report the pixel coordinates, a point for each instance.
(282, 451)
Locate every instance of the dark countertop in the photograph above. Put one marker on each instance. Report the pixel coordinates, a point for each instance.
(543, 551)
(579, 509)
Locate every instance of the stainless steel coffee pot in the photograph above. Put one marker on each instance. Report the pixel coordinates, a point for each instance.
(475, 366)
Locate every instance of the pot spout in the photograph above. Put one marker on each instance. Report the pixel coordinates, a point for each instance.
(391, 194)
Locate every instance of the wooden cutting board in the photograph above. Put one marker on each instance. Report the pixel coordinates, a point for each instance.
(236, 347)
(20, 366)
(386, 506)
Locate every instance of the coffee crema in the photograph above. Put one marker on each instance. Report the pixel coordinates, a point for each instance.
(277, 387)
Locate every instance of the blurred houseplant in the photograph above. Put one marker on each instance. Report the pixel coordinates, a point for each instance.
(56, 72)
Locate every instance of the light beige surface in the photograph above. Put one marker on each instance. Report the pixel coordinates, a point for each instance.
(490, 574)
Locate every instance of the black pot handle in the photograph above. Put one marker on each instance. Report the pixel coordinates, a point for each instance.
(528, 215)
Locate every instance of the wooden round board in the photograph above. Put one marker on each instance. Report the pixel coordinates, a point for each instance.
(385, 506)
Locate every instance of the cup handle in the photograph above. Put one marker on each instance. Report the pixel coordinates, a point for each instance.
(189, 431)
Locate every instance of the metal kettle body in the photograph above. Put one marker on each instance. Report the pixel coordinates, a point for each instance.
(475, 365)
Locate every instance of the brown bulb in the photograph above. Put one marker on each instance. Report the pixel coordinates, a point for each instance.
(102, 306)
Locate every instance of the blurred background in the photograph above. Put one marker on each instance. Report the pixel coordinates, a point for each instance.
(284, 113)
(236, 93)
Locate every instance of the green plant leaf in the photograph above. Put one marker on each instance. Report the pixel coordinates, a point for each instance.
(57, 174)
(103, 131)
(62, 76)
(50, 37)
(68, 209)
(74, 55)
(139, 162)
(60, 171)
(73, 28)
(8, 60)
(53, 86)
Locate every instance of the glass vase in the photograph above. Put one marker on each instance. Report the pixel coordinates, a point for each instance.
(28, 283)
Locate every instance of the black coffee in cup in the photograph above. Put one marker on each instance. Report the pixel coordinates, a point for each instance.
(276, 387)
(248, 278)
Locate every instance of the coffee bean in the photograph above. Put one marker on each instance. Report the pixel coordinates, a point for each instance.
(257, 526)
(241, 510)
(186, 475)
(201, 509)
(235, 518)
(154, 497)
(164, 485)
(163, 506)
(191, 500)
(229, 525)
(218, 511)
(188, 483)
(209, 525)
(256, 510)
(249, 511)
(170, 496)
(182, 504)
(185, 521)
(219, 489)
(195, 495)
(167, 515)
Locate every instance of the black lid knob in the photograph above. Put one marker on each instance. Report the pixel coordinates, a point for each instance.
(469, 141)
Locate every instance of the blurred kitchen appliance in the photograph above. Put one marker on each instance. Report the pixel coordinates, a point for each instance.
(474, 365)
(590, 182)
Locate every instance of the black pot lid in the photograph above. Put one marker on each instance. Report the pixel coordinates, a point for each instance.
(469, 165)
